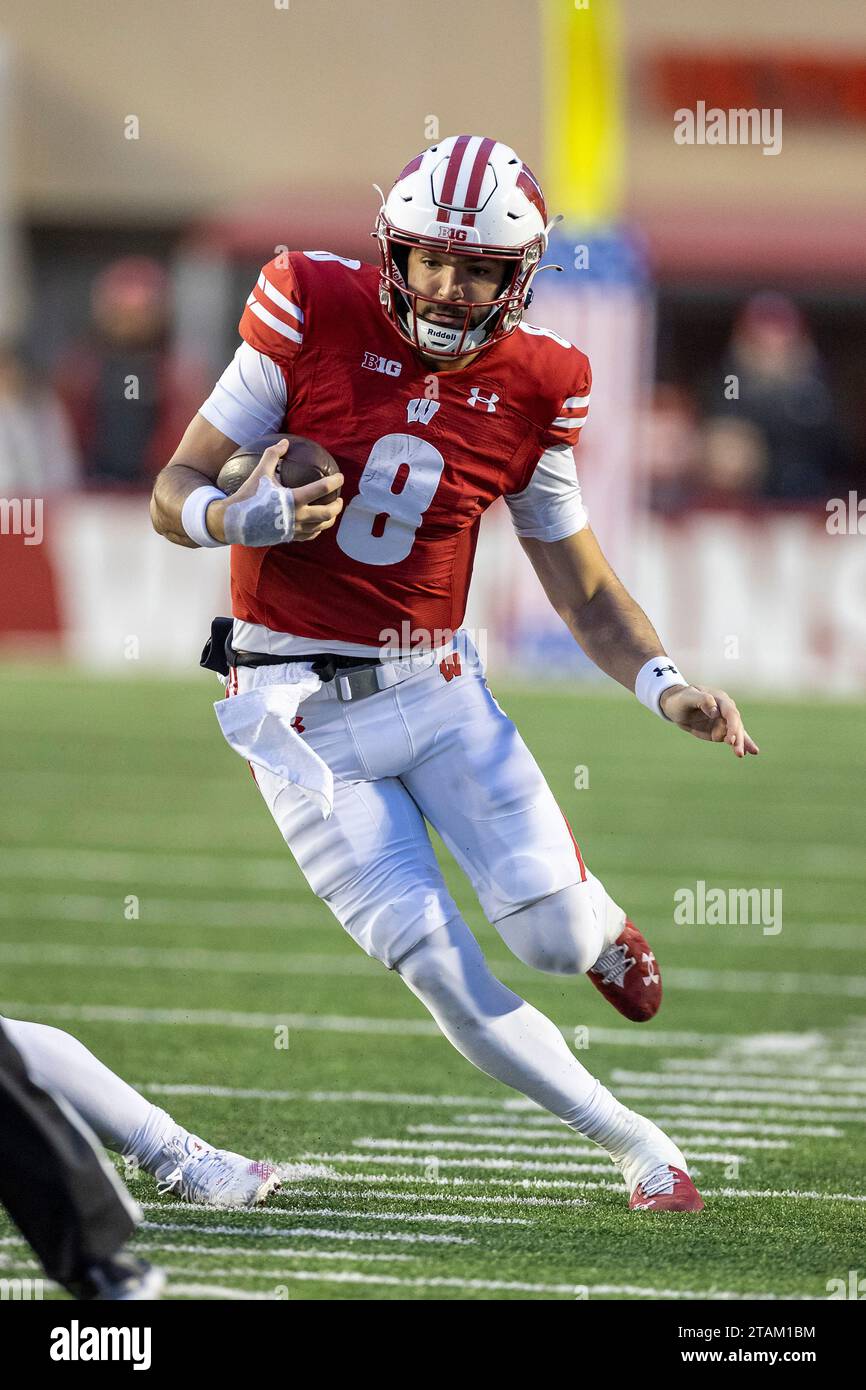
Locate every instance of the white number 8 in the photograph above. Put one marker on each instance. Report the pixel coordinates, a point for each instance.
(378, 526)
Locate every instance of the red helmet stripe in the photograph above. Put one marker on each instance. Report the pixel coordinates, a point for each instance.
(476, 178)
(410, 168)
(451, 175)
(528, 184)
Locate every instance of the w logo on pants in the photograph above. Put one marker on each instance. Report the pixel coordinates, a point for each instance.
(450, 666)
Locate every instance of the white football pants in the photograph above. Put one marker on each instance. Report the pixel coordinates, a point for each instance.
(437, 747)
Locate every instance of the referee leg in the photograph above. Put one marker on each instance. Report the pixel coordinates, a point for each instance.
(54, 1181)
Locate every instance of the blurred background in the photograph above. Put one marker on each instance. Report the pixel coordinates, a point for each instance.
(152, 158)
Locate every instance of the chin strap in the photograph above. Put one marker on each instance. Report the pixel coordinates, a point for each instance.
(436, 335)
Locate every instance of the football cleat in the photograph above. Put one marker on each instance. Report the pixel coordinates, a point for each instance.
(628, 975)
(218, 1178)
(666, 1189)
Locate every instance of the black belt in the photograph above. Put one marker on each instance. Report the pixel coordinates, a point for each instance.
(219, 654)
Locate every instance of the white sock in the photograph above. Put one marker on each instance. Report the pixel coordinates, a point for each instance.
(120, 1117)
(509, 1039)
(608, 913)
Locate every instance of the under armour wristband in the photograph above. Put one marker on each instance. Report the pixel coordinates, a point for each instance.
(655, 677)
(192, 517)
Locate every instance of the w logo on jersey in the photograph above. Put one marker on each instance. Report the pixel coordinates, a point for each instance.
(475, 398)
(421, 410)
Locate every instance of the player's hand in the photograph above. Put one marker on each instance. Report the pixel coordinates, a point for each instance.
(708, 714)
(262, 512)
(312, 514)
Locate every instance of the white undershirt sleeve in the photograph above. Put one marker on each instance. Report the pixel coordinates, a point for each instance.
(551, 507)
(249, 399)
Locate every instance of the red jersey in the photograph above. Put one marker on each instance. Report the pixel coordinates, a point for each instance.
(423, 453)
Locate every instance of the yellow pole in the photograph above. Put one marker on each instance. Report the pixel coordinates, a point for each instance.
(583, 117)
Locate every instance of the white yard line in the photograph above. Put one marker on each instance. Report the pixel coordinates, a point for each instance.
(108, 910)
(221, 1291)
(287, 1252)
(329, 1023)
(313, 1233)
(432, 1147)
(49, 954)
(705, 1112)
(237, 869)
(244, 962)
(665, 1111)
(821, 1070)
(221, 1018)
(540, 1135)
(648, 1093)
(531, 1124)
(370, 1193)
(766, 982)
(494, 1164)
(805, 1085)
(572, 1291)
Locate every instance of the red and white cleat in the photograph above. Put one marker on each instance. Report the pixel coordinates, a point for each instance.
(666, 1189)
(628, 976)
(217, 1177)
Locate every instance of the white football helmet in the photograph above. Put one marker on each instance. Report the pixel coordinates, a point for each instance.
(465, 195)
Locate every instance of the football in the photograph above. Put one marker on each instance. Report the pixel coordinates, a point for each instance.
(303, 462)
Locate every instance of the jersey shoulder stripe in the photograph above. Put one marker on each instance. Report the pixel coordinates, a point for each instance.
(297, 296)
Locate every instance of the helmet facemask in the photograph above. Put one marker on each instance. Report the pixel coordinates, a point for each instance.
(400, 303)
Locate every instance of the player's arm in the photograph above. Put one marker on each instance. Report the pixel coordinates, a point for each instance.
(617, 635)
(254, 515)
(248, 401)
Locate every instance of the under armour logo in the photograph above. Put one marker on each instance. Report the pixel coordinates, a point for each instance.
(649, 961)
(298, 724)
(421, 410)
(475, 398)
(660, 670)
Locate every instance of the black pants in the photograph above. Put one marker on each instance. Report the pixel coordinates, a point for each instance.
(53, 1180)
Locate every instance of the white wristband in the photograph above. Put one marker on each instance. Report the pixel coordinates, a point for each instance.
(655, 677)
(192, 517)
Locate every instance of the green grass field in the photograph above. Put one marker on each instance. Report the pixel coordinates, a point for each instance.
(444, 1184)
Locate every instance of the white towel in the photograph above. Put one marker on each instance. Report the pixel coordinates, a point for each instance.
(258, 726)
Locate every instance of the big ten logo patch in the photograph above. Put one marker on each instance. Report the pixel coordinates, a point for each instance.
(381, 364)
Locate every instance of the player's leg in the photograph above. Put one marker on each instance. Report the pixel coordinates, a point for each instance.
(373, 864)
(514, 1042)
(125, 1122)
(479, 785)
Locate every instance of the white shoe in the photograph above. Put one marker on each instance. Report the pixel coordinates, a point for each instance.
(216, 1177)
(646, 1149)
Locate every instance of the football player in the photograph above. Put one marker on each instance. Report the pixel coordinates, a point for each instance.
(146, 1136)
(423, 379)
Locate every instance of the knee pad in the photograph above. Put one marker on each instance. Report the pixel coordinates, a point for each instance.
(560, 934)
